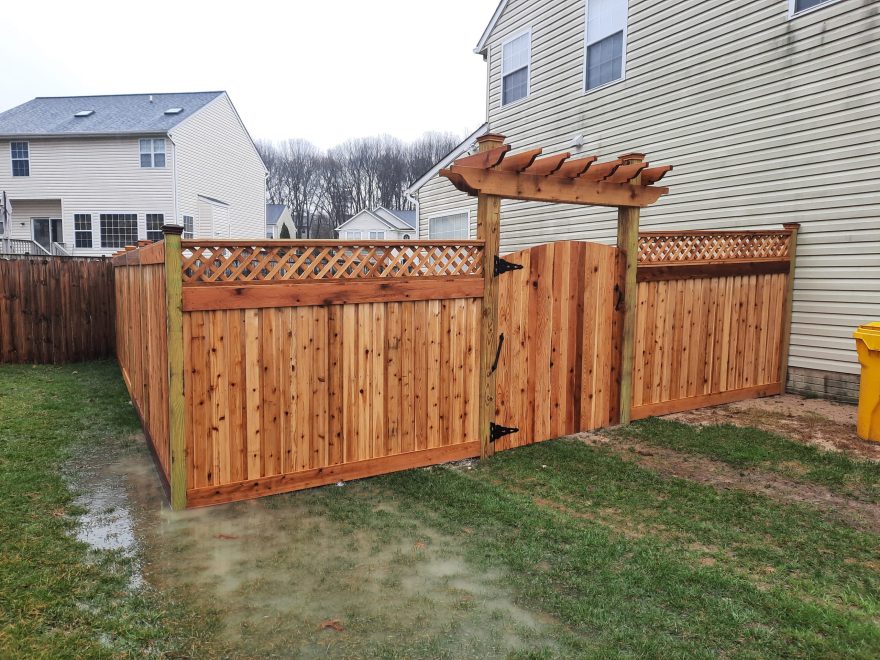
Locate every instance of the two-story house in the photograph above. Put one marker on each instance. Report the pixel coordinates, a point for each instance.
(86, 175)
(768, 109)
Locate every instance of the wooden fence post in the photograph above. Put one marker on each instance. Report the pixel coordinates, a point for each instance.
(488, 230)
(174, 316)
(628, 241)
(793, 227)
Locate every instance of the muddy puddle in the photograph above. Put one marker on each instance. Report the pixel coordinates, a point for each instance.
(286, 578)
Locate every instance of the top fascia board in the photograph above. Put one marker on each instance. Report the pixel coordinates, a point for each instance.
(448, 158)
(369, 213)
(481, 45)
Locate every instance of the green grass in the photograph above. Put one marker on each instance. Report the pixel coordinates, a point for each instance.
(749, 447)
(619, 560)
(59, 599)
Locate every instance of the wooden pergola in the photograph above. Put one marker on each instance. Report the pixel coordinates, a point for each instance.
(493, 174)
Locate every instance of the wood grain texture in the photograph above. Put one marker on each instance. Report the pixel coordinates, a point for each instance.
(555, 374)
(55, 310)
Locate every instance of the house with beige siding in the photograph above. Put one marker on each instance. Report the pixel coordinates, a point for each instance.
(378, 224)
(86, 175)
(768, 109)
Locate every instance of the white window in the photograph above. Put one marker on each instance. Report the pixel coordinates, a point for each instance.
(153, 152)
(605, 42)
(154, 226)
(82, 230)
(515, 56)
(377, 235)
(801, 6)
(449, 227)
(351, 235)
(270, 233)
(118, 229)
(187, 226)
(21, 164)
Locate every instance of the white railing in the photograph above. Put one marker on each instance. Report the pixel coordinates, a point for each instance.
(22, 246)
(60, 250)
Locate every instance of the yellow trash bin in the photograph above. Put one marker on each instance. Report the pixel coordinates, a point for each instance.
(868, 346)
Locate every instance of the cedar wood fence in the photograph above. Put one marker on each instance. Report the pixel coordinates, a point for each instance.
(55, 309)
(273, 366)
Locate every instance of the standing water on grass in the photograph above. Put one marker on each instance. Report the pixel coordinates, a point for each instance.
(334, 570)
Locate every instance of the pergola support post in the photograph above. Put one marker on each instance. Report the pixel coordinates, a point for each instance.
(628, 243)
(174, 320)
(488, 230)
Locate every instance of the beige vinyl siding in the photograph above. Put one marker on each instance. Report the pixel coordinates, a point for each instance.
(216, 159)
(94, 175)
(766, 119)
(366, 223)
(23, 211)
(439, 197)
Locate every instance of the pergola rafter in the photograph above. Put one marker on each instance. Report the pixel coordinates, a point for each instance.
(625, 181)
(494, 173)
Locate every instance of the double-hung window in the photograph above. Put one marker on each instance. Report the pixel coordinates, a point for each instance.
(606, 42)
(118, 229)
(799, 6)
(154, 226)
(82, 230)
(153, 152)
(351, 235)
(21, 163)
(449, 227)
(515, 57)
(377, 235)
(188, 226)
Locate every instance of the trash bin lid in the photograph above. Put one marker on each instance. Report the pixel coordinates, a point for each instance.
(870, 334)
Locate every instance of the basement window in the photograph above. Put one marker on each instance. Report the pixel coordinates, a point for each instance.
(153, 152)
(21, 163)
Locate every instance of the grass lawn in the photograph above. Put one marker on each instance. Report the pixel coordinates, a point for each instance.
(593, 550)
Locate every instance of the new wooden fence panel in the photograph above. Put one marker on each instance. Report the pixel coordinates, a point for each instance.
(55, 309)
(557, 367)
(710, 318)
(142, 349)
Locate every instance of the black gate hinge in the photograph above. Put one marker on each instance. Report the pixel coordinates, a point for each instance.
(503, 266)
(497, 431)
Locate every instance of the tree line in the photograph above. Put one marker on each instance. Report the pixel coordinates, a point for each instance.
(323, 189)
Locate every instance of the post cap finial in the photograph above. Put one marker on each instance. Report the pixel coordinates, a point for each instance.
(173, 230)
(490, 141)
(632, 157)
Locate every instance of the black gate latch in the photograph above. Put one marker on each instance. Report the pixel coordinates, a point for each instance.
(497, 431)
(502, 266)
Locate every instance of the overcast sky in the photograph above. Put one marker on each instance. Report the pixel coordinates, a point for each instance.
(325, 71)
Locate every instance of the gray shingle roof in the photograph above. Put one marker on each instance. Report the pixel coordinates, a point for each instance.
(123, 113)
(273, 212)
(409, 217)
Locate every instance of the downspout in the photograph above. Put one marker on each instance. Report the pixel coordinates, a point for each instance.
(177, 219)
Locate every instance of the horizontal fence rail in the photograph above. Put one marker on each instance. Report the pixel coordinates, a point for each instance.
(55, 310)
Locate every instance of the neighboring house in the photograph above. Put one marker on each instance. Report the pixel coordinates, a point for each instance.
(769, 111)
(379, 224)
(95, 173)
(277, 218)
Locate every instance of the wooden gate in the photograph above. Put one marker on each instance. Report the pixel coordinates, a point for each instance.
(559, 360)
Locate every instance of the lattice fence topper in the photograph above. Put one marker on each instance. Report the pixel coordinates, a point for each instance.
(338, 260)
(659, 247)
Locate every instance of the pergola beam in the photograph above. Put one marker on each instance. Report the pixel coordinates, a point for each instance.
(553, 189)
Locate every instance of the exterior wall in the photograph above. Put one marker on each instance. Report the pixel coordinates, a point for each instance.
(766, 119)
(216, 159)
(284, 219)
(23, 210)
(95, 175)
(823, 384)
(439, 197)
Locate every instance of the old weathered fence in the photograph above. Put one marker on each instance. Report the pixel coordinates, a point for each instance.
(55, 309)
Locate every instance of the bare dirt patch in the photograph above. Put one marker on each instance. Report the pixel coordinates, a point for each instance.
(863, 515)
(824, 424)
